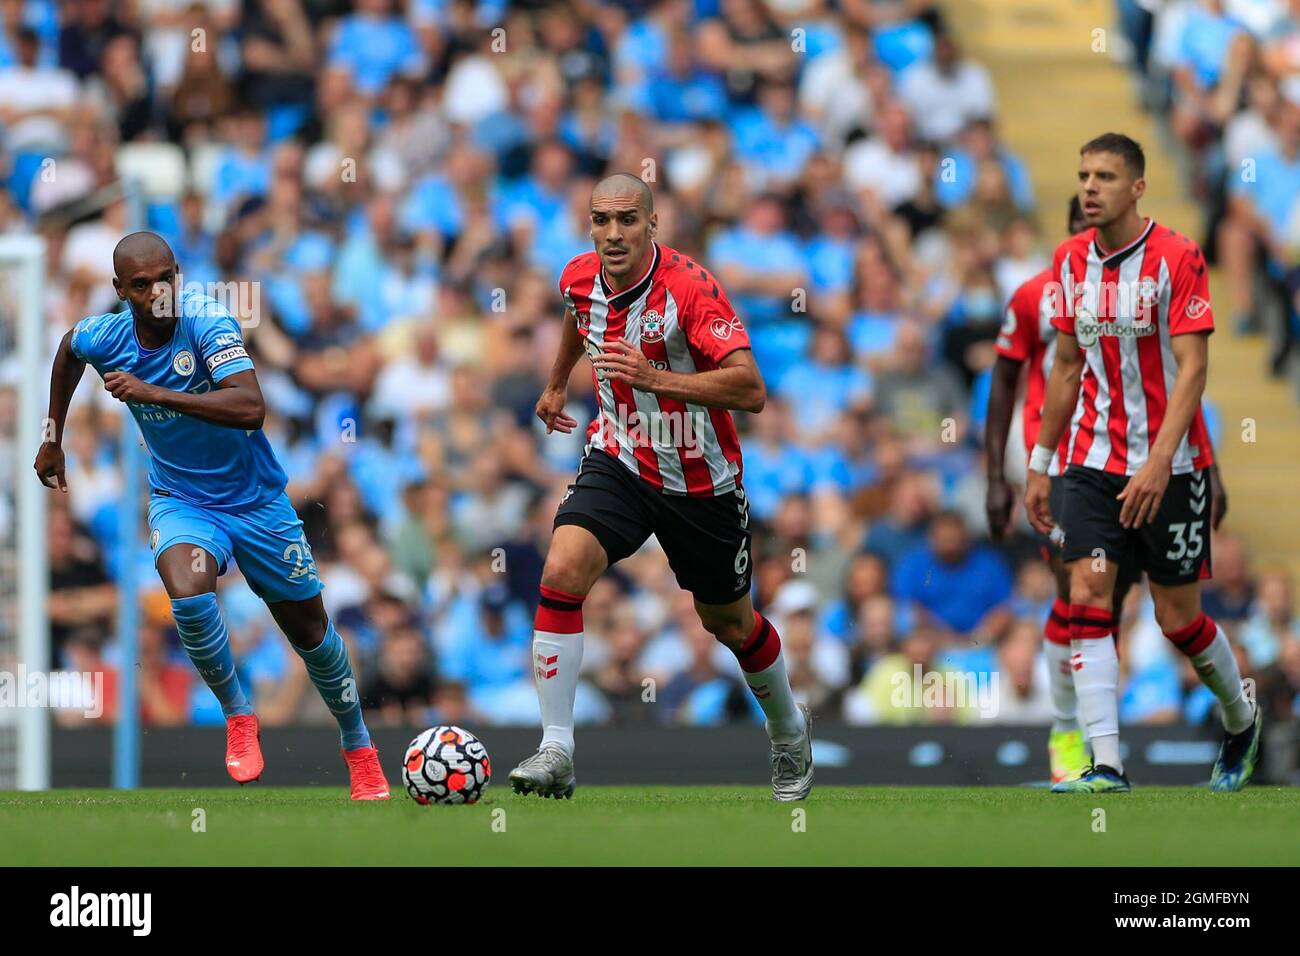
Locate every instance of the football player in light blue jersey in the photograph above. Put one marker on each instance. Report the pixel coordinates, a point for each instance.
(177, 359)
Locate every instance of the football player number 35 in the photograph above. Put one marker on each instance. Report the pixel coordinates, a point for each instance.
(1187, 540)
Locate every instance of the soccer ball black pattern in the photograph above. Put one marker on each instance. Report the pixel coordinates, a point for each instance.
(446, 765)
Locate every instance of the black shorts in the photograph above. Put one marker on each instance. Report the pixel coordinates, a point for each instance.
(1129, 573)
(1047, 545)
(707, 540)
(1172, 549)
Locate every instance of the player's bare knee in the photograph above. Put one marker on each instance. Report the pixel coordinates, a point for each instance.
(184, 584)
(566, 576)
(1175, 611)
(1092, 590)
(186, 571)
(573, 563)
(729, 629)
(305, 636)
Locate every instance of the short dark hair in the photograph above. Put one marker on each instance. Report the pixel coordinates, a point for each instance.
(1076, 214)
(1120, 145)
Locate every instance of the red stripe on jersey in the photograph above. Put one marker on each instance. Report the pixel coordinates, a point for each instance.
(723, 423)
(647, 462)
(1199, 436)
(1027, 343)
(690, 453)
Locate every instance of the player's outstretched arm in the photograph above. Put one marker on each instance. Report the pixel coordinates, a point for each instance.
(736, 385)
(997, 426)
(64, 378)
(1058, 403)
(235, 402)
(550, 407)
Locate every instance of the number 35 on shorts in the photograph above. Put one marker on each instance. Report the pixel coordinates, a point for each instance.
(1188, 542)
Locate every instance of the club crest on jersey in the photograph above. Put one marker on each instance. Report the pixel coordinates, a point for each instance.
(183, 363)
(584, 321)
(652, 326)
(1148, 294)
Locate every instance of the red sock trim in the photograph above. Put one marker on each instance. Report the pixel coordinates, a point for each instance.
(1195, 637)
(1087, 622)
(558, 612)
(760, 650)
(1057, 628)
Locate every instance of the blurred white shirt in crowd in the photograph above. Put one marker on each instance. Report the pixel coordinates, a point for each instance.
(871, 164)
(35, 90)
(941, 105)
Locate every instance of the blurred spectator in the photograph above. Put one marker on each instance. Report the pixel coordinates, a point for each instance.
(946, 93)
(82, 599)
(965, 587)
(400, 688)
(1229, 596)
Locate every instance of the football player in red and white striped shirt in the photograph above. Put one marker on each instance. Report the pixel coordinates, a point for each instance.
(1131, 306)
(1026, 346)
(670, 359)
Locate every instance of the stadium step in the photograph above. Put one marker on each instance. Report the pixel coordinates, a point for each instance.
(1058, 83)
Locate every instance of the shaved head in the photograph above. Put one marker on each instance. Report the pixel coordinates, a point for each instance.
(146, 276)
(138, 249)
(623, 184)
(623, 224)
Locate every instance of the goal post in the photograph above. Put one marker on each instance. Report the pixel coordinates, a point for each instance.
(25, 632)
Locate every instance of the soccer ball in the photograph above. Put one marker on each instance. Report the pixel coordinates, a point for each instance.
(446, 765)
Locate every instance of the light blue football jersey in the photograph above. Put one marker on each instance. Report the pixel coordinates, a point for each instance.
(209, 465)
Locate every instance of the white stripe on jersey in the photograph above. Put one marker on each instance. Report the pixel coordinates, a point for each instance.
(647, 404)
(599, 315)
(1130, 366)
(721, 471)
(1183, 458)
(1099, 453)
(1047, 335)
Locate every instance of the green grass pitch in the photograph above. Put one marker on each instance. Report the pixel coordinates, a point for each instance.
(653, 825)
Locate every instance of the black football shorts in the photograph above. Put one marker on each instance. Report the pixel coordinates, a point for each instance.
(707, 540)
(1172, 549)
(1129, 574)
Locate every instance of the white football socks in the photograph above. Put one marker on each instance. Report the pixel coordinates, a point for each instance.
(771, 687)
(763, 665)
(1217, 668)
(557, 658)
(1096, 685)
(1065, 705)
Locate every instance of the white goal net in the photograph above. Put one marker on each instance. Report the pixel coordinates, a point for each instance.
(24, 574)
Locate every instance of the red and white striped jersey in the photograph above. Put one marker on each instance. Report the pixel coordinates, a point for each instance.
(1123, 308)
(1027, 336)
(683, 322)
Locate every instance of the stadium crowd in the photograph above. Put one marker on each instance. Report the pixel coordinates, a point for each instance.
(395, 187)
